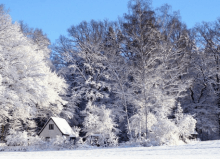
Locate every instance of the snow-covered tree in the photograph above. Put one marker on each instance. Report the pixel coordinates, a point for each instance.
(203, 93)
(38, 38)
(157, 61)
(163, 130)
(186, 124)
(84, 66)
(29, 88)
(99, 121)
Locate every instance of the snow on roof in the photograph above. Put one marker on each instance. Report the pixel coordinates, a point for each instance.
(64, 126)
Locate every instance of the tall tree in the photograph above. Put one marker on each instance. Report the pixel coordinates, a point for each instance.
(30, 89)
(158, 59)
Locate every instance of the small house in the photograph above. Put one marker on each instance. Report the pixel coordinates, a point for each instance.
(57, 127)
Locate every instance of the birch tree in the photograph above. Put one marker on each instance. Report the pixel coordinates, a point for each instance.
(158, 60)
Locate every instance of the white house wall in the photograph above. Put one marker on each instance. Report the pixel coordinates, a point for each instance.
(50, 133)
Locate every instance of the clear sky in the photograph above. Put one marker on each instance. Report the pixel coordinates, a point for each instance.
(54, 17)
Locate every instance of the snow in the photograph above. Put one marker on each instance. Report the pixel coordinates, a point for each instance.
(64, 126)
(196, 150)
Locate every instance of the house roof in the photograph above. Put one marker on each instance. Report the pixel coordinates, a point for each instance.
(62, 125)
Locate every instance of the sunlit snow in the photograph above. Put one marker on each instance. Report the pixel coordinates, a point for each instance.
(197, 150)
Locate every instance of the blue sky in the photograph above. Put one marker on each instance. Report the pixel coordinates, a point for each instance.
(54, 17)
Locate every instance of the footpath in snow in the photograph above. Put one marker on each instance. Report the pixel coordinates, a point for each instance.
(196, 150)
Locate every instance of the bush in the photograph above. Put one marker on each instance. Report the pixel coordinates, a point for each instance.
(16, 138)
(161, 130)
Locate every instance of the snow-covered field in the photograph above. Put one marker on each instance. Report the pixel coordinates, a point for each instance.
(197, 150)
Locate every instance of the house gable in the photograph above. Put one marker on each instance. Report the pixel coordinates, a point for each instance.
(46, 132)
(61, 128)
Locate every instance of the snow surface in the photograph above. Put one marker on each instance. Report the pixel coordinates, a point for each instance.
(196, 150)
(64, 126)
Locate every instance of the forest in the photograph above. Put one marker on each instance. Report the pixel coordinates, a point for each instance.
(146, 79)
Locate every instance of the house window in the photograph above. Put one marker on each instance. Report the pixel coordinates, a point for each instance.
(51, 126)
(47, 138)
